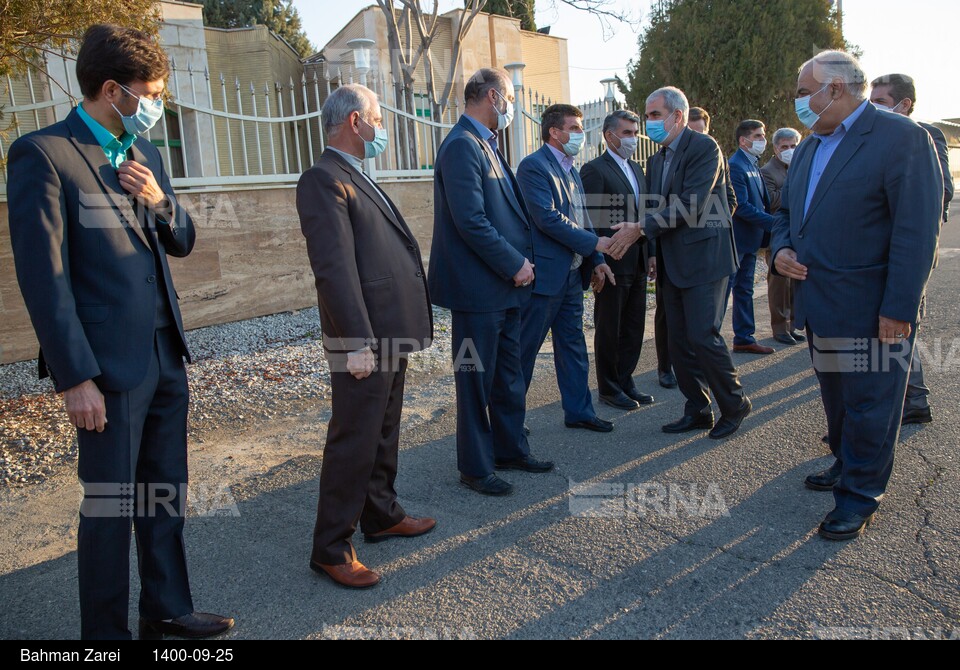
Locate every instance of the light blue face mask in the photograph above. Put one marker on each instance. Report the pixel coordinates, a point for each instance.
(372, 149)
(807, 116)
(656, 131)
(146, 116)
(574, 144)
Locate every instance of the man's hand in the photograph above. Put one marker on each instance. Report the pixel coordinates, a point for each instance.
(601, 275)
(361, 364)
(652, 268)
(85, 406)
(525, 277)
(138, 180)
(603, 244)
(787, 265)
(894, 332)
(626, 236)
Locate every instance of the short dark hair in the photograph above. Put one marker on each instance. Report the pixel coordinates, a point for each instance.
(483, 81)
(699, 113)
(123, 55)
(901, 87)
(747, 127)
(555, 116)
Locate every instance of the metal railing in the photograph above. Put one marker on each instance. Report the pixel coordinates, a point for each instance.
(218, 133)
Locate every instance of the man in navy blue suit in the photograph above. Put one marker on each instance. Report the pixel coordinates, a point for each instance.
(752, 223)
(858, 230)
(481, 269)
(568, 257)
(897, 93)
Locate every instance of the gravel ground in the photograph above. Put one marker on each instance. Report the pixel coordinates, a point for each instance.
(243, 372)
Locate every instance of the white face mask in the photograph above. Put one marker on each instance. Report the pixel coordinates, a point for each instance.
(787, 155)
(757, 148)
(894, 110)
(628, 147)
(505, 118)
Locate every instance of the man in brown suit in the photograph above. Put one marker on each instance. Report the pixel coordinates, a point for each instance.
(374, 311)
(780, 289)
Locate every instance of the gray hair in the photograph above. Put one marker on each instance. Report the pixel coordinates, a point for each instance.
(832, 65)
(343, 102)
(785, 134)
(673, 99)
(612, 122)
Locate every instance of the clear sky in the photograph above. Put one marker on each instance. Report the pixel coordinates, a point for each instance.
(918, 38)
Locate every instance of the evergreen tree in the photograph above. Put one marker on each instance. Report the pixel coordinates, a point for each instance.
(518, 9)
(738, 59)
(280, 16)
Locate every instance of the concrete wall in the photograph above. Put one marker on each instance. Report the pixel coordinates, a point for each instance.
(250, 260)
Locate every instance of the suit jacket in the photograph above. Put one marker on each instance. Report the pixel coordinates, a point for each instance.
(556, 236)
(481, 231)
(774, 175)
(692, 227)
(84, 262)
(943, 154)
(371, 285)
(752, 220)
(870, 234)
(611, 201)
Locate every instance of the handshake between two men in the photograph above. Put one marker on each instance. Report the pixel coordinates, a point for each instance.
(616, 247)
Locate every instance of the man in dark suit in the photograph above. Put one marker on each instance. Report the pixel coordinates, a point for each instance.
(614, 185)
(897, 93)
(374, 312)
(92, 220)
(858, 230)
(481, 269)
(780, 289)
(696, 256)
(752, 224)
(568, 257)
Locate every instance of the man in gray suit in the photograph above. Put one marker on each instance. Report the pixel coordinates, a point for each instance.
(858, 230)
(92, 220)
(691, 224)
(897, 93)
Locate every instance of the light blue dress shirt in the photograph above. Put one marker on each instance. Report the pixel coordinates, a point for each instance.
(824, 152)
(115, 148)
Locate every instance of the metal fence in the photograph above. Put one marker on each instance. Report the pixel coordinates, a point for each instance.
(220, 133)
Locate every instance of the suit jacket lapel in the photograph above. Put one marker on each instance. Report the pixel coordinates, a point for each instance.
(849, 146)
(105, 173)
(615, 169)
(508, 182)
(371, 192)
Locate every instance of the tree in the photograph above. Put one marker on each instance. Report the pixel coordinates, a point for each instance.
(280, 16)
(518, 9)
(31, 28)
(738, 59)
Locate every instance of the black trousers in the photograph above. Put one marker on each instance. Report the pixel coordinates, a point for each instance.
(135, 471)
(660, 332)
(360, 461)
(701, 358)
(620, 318)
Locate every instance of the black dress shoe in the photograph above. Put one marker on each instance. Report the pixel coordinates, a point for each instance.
(526, 430)
(786, 338)
(825, 439)
(491, 485)
(640, 398)
(727, 426)
(826, 480)
(525, 464)
(917, 416)
(620, 401)
(842, 526)
(668, 380)
(194, 626)
(798, 336)
(690, 423)
(596, 424)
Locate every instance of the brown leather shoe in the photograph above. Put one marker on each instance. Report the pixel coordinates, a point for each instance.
(409, 527)
(349, 575)
(754, 348)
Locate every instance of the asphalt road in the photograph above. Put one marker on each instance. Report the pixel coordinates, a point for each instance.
(635, 535)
